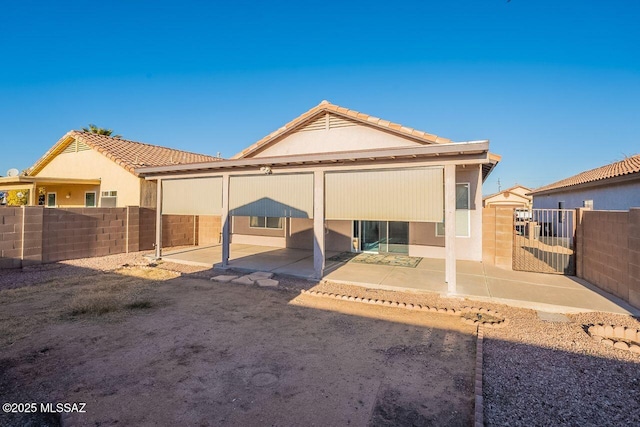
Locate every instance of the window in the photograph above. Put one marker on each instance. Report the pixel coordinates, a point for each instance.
(265, 222)
(463, 204)
(587, 204)
(108, 199)
(90, 199)
(51, 200)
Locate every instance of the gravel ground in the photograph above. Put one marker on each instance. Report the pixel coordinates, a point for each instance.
(536, 373)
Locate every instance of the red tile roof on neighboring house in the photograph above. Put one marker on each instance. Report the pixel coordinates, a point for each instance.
(128, 154)
(326, 106)
(628, 166)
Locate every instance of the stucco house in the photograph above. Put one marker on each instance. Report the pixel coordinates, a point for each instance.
(88, 170)
(615, 186)
(336, 179)
(513, 197)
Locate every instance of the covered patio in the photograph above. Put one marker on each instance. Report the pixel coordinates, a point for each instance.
(475, 280)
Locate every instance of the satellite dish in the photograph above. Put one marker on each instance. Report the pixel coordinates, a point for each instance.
(13, 172)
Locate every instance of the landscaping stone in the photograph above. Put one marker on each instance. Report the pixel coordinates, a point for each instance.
(244, 280)
(224, 278)
(261, 275)
(630, 334)
(269, 283)
(621, 345)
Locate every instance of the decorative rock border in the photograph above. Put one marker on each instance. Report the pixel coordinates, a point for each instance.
(387, 303)
(498, 320)
(619, 337)
(479, 311)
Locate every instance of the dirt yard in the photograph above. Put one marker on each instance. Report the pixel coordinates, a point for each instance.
(146, 347)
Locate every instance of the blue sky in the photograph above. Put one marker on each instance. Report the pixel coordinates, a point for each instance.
(554, 85)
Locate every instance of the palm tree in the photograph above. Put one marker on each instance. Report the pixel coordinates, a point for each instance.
(100, 131)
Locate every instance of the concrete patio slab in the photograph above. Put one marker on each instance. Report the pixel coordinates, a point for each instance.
(475, 280)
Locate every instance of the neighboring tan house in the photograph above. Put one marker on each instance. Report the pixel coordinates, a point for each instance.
(615, 186)
(334, 179)
(88, 170)
(514, 197)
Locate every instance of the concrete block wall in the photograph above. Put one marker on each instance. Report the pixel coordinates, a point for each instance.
(609, 245)
(497, 236)
(11, 237)
(82, 233)
(34, 234)
(147, 228)
(633, 243)
(179, 230)
(133, 229)
(209, 228)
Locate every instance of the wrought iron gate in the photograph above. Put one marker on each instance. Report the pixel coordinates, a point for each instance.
(543, 240)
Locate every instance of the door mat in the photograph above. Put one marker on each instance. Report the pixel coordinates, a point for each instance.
(378, 259)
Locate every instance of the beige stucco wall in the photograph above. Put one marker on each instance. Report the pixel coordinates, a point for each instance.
(470, 248)
(508, 199)
(76, 194)
(357, 137)
(90, 164)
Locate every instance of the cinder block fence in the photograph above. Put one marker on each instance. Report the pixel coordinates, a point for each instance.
(607, 247)
(608, 251)
(34, 234)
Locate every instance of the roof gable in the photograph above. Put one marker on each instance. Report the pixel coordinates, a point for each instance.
(127, 154)
(329, 117)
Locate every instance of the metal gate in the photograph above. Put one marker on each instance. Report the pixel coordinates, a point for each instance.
(543, 241)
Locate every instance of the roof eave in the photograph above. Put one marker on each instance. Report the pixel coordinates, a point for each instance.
(450, 149)
(598, 183)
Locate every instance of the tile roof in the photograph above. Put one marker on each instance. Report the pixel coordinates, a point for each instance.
(326, 106)
(128, 154)
(628, 166)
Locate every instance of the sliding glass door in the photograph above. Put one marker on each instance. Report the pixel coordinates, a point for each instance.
(382, 236)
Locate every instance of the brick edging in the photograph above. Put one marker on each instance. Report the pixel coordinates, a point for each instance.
(479, 402)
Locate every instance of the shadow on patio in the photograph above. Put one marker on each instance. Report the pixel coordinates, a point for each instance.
(475, 280)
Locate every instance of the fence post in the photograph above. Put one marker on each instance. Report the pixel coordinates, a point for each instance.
(579, 242)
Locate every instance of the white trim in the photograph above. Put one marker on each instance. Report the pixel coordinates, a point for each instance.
(46, 202)
(265, 222)
(95, 199)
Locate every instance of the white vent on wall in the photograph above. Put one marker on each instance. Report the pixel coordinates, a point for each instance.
(76, 146)
(334, 122)
(318, 124)
(339, 122)
(71, 148)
